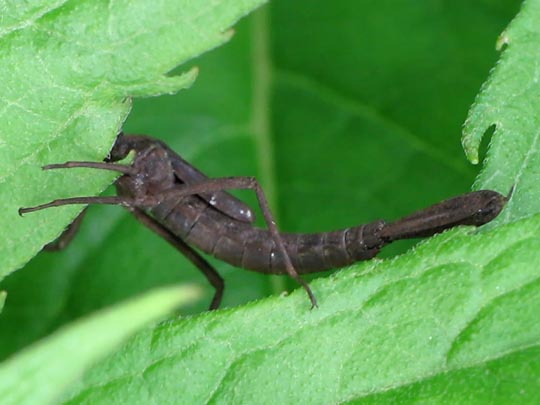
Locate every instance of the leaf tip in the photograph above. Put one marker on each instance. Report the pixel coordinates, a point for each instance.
(191, 75)
(472, 156)
(3, 295)
(162, 85)
(502, 41)
(470, 144)
(228, 34)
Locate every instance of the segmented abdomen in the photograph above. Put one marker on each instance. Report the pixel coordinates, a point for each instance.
(243, 245)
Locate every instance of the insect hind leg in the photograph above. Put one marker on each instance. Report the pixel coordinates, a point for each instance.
(249, 183)
(191, 254)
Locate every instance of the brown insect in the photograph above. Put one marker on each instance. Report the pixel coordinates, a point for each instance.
(185, 207)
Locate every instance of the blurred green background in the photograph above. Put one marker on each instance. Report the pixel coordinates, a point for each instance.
(346, 111)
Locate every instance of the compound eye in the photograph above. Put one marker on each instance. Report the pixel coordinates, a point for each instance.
(484, 215)
(479, 216)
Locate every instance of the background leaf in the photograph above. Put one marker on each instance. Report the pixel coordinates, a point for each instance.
(41, 374)
(510, 100)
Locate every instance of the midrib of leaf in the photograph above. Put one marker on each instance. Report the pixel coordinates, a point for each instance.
(260, 119)
(359, 109)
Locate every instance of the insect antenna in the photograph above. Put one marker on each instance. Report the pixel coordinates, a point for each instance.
(77, 200)
(125, 169)
(93, 165)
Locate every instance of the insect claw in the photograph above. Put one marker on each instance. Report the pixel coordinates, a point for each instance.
(54, 166)
(511, 192)
(26, 210)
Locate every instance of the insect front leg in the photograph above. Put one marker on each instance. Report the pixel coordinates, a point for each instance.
(250, 183)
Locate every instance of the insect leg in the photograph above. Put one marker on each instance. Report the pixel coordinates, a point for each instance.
(209, 272)
(220, 200)
(67, 236)
(79, 200)
(224, 183)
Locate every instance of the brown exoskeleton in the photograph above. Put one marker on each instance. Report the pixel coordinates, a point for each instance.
(185, 207)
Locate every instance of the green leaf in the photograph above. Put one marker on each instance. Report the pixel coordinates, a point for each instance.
(347, 111)
(509, 101)
(16, 15)
(458, 305)
(68, 71)
(41, 373)
(372, 134)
